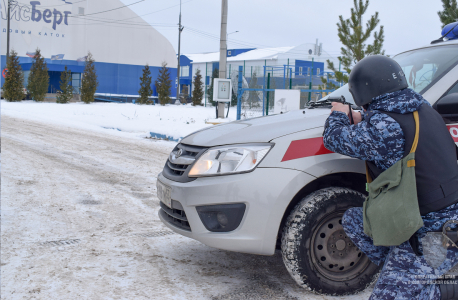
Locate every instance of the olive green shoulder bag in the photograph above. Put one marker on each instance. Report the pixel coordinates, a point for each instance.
(391, 214)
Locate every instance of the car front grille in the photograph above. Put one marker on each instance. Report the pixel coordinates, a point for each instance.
(177, 169)
(177, 166)
(176, 217)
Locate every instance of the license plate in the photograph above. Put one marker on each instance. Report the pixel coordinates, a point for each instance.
(164, 193)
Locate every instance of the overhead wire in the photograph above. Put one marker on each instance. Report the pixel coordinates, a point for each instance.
(150, 13)
(139, 25)
(100, 12)
(29, 5)
(144, 23)
(131, 24)
(106, 20)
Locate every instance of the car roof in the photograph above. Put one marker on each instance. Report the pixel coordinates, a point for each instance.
(439, 44)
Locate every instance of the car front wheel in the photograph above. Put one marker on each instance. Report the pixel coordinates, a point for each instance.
(316, 251)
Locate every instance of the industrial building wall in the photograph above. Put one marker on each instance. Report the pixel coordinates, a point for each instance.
(125, 79)
(73, 29)
(113, 78)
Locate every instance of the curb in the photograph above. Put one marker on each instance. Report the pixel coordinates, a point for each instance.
(112, 128)
(154, 135)
(161, 136)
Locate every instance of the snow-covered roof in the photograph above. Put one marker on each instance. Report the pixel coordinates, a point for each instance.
(256, 54)
(262, 53)
(203, 57)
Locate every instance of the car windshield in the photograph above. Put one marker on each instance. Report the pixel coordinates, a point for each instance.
(422, 67)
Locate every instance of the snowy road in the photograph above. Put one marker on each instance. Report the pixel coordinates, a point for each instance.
(79, 220)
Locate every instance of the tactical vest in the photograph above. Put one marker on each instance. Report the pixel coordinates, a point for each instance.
(436, 168)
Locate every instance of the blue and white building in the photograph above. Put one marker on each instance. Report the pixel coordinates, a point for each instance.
(286, 62)
(121, 42)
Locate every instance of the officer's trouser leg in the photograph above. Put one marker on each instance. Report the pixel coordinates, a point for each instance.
(405, 276)
(352, 222)
(401, 276)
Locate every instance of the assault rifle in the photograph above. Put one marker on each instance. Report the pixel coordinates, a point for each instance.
(327, 103)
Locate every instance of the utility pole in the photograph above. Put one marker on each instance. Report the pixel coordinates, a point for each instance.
(180, 29)
(222, 52)
(8, 32)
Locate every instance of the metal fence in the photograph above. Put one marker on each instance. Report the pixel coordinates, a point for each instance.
(255, 95)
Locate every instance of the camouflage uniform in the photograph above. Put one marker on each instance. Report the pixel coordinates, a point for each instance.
(379, 138)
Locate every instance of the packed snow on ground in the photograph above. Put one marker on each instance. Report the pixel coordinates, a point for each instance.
(79, 220)
(124, 119)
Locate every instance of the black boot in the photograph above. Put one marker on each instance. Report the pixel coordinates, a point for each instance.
(449, 291)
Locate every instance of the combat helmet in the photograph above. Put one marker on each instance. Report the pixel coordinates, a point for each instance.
(373, 76)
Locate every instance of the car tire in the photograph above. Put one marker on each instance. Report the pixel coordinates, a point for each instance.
(315, 249)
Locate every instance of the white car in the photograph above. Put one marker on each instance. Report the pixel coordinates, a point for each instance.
(265, 183)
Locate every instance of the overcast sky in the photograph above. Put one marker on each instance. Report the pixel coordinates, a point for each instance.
(269, 23)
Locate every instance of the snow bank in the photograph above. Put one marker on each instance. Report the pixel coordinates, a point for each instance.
(122, 119)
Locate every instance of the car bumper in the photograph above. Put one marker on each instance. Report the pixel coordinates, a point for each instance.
(266, 193)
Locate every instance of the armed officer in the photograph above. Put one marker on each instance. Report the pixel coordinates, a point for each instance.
(382, 135)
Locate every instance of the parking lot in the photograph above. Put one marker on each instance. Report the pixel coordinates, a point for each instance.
(79, 219)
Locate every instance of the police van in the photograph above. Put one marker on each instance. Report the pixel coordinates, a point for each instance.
(269, 183)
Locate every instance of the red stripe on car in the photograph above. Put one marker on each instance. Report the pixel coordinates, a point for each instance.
(314, 146)
(305, 148)
(453, 131)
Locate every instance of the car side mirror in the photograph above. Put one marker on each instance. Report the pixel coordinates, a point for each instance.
(448, 107)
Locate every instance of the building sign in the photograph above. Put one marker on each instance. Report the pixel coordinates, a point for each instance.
(33, 13)
(47, 15)
(58, 29)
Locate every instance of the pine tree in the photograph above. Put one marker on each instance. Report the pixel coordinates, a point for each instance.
(234, 98)
(450, 12)
(13, 88)
(89, 81)
(145, 90)
(184, 95)
(272, 94)
(38, 81)
(253, 98)
(163, 85)
(354, 38)
(329, 83)
(198, 91)
(66, 89)
(215, 74)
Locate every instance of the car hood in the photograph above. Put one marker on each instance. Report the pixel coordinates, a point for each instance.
(258, 130)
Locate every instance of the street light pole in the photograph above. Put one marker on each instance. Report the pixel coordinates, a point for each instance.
(8, 32)
(227, 35)
(180, 29)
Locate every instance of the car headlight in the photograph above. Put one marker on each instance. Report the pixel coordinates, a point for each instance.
(229, 160)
